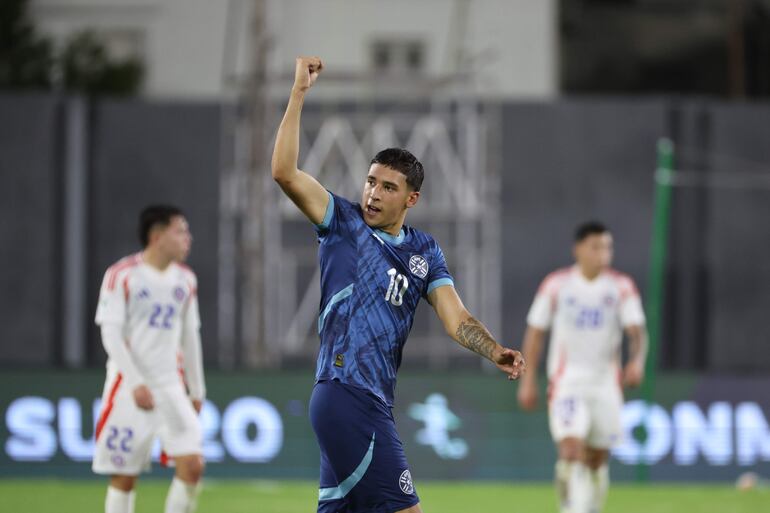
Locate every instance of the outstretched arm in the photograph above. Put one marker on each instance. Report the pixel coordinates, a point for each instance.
(472, 334)
(304, 190)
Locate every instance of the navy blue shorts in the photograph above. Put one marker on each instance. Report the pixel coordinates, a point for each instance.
(363, 467)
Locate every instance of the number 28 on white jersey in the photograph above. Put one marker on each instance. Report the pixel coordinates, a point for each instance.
(586, 319)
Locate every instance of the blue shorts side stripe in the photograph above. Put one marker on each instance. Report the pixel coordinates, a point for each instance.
(338, 492)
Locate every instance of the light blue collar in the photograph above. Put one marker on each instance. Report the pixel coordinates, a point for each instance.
(390, 238)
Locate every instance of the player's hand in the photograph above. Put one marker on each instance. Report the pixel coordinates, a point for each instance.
(527, 395)
(197, 404)
(633, 374)
(511, 362)
(143, 397)
(306, 72)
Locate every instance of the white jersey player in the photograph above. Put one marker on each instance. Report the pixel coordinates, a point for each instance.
(148, 314)
(586, 307)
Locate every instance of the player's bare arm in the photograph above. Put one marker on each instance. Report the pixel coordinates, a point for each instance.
(532, 348)
(304, 190)
(633, 373)
(472, 334)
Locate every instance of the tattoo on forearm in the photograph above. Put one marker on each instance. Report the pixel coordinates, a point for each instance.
(473, 335)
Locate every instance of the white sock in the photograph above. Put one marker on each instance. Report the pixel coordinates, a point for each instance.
(561, 478)
(579, 488)
(182, 497)
(118, 501)
(600, 481)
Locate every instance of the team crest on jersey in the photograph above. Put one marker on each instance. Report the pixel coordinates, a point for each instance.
(609, 300)
(405, 482)
(179, 294)
(419, 266)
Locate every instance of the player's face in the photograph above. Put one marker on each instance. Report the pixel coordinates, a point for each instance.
(175, 240)
(386, 197)
(595, 251)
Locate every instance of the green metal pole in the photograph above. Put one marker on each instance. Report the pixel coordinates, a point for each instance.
(656, 277)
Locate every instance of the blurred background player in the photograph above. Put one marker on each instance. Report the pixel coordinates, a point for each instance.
(148, 314)
(586, 307)
(374, 270)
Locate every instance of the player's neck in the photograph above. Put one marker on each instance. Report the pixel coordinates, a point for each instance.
(394, 229)
(155, 259)
(589, 274)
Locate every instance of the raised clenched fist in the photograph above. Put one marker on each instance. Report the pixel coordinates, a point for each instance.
(306, 72)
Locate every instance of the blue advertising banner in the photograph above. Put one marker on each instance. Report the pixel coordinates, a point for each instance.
(454, 426)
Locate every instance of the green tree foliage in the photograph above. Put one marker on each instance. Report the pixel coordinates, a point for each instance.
(87, 67)
(28, 60)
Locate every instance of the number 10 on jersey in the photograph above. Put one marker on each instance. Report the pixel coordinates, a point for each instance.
(397, 287)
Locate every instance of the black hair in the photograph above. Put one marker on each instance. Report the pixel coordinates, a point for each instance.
(589, 228)
(155, 215)
(404, 162)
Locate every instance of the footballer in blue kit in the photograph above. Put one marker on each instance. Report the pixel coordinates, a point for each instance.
(374, 271)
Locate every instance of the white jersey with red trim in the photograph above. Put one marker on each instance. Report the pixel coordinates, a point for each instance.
(586, 319)
(153, 308)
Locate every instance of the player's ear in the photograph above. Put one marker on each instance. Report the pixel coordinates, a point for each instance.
(411, 199)
(155, 233)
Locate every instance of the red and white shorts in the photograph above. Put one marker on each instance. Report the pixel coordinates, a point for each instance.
(125, 433)
(591, 413)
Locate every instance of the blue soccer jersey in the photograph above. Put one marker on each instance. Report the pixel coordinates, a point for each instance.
(371, 283)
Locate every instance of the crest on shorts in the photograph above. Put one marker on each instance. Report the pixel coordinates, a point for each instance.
(418, 266)
(405, 482)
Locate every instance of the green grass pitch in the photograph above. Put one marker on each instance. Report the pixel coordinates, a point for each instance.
(37, 495)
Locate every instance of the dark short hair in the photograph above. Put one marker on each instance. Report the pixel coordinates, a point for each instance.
(589, 228)
(404, 162)
(153, 216)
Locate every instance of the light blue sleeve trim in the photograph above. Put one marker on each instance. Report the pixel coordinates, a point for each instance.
(338, 492)
(440, 283)
(336, 298)
(329, 214)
